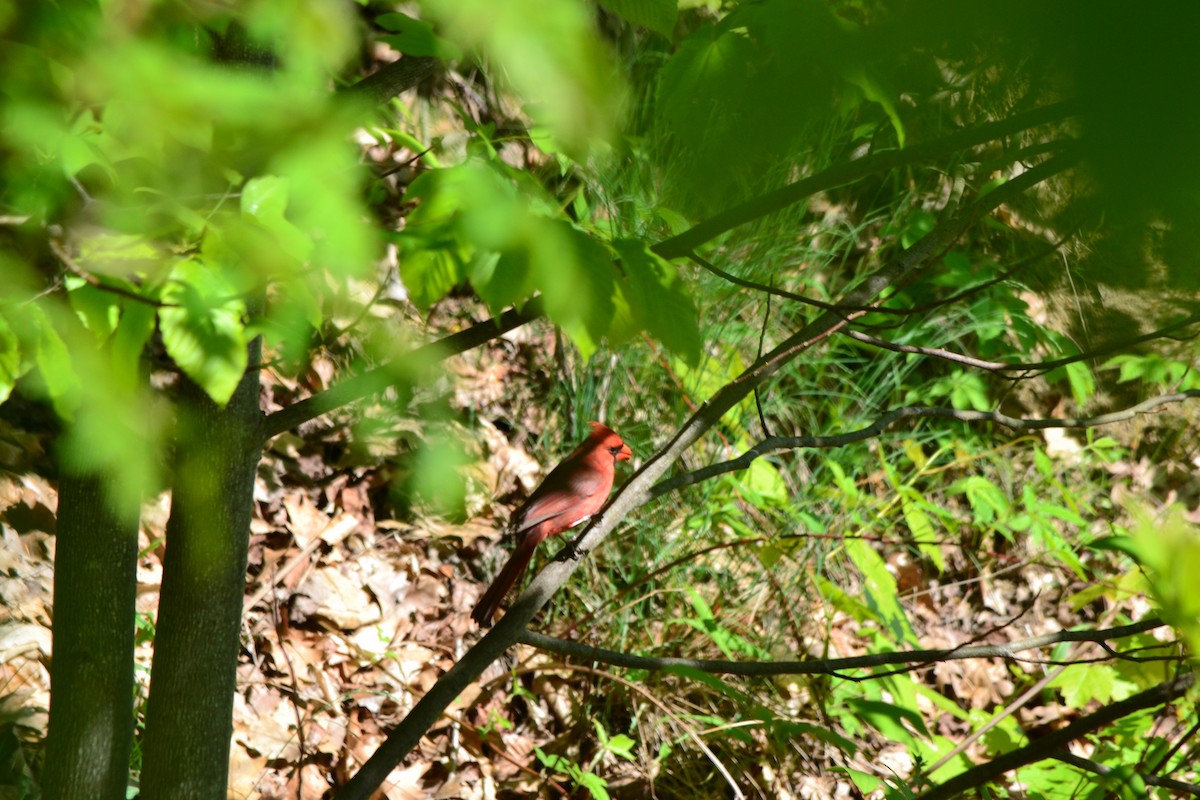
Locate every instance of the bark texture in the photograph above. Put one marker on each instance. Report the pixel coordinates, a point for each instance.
(95, 585)
(189, 716)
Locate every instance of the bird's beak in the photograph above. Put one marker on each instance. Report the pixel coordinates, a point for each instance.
(625, 453)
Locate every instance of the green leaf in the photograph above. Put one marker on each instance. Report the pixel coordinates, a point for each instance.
(575, 275)
(658, 300)
(53, 359)
(203, 329)
(99, 310)
(656, 15)
(596, 786)
(922, 527)
(118, 255)
(621, 745)
(11, 367)
(430, 274)
(872, 87)
(988, 501)
(1170, 549)
(415, 37)
(133, 331)
(690, 82)
(881, 592)
(265, 200)
(889, 719)
(1081, 380)
(548, 52)
(1085, 682)
(437, 476)
(765, 483)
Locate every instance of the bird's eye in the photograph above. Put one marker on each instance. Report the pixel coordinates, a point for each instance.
(615, 450)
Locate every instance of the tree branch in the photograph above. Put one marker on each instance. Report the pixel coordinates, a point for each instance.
(839, 175)
(830, 666)
(376, 380)
(391, 79)
(776, 443)
(639, 489)
(1026, 367)
(1050, 745)
(1105, 771)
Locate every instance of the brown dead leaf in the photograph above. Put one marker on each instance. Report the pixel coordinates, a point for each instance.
(306, 521)
(339, 597)
(404, 783)
(245, 772)
(264, 723)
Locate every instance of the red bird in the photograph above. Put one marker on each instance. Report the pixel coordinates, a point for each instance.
(572, 492)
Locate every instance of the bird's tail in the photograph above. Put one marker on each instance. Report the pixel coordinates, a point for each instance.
(487, 606)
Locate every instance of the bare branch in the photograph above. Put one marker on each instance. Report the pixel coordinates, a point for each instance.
(932, 352)
(831, 666)
(776, 443)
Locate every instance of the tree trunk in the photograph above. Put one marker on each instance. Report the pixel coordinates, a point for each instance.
(91, 675)
(189, 716)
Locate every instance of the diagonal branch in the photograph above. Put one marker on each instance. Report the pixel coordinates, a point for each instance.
(851, 171)
(376, 380)
(829, 666)
(1051, 744)
(1104, 770)
(906, 266)
(391, 79)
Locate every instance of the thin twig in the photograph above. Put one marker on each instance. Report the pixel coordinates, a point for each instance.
(777, 443)
(1032, 367)
(830, 666)
(96, 282)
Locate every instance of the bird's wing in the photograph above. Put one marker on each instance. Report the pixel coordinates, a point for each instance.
(569, 493)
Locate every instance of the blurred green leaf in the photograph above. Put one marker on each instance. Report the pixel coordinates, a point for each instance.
(1169, 548)
(59, 379)
(658, 300)
(437, 477)
(133, 330)
(203, 329)
(551, 55)
(656, 15)
(265, 199)
(97, 309)
(415, 37)
(11, 367)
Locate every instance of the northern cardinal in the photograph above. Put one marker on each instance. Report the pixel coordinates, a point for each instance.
(572, 492)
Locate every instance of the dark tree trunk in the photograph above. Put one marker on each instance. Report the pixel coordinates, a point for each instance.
(189, 716)
(95, 585)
